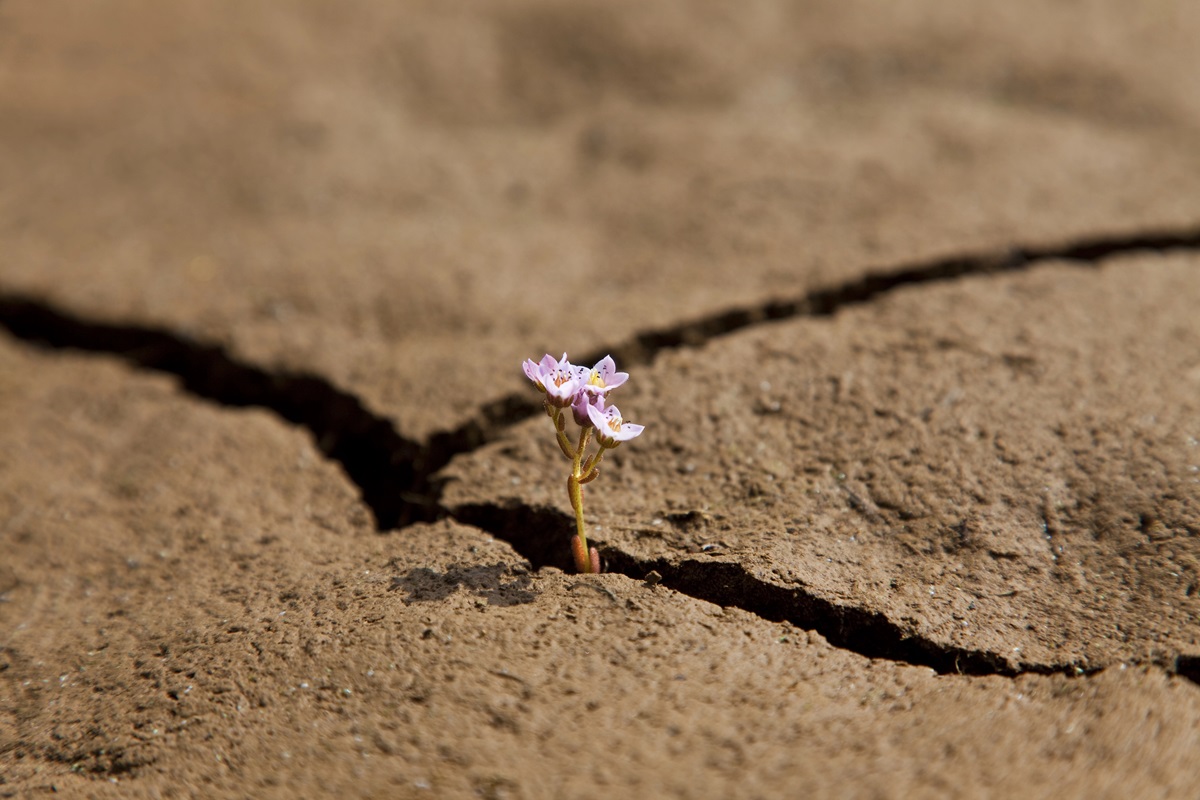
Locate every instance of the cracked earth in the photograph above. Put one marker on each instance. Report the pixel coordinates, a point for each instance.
(908, 302)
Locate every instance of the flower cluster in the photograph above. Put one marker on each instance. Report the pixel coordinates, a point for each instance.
(585, 391)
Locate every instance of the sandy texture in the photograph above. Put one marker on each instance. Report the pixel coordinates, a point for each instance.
(968, 461)
(271, 644)
(908, 295)
(368, 191)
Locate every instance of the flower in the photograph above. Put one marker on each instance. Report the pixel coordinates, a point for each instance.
(558, 379)
(600, 379)
(583, 401)
(610, 429)
(533, 370)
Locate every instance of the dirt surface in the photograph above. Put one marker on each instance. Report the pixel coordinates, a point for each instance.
(908, 299)
(966, 462)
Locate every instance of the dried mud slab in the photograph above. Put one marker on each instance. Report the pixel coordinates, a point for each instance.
(193, 602)
(999, 474)
(139, 530)
(400, 199)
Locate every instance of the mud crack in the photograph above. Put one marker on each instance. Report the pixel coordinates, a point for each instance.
(826, 302)
(536, 533)
(391, 471)
(397, 475)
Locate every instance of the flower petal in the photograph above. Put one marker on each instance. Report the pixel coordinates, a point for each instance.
(611, 430)
(607, 370)
(606, 367)
(598, 417)
(615, 380)
(582, 404)
(630, 430)
(602, 378)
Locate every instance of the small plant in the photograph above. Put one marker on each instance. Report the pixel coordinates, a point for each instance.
(585, 392)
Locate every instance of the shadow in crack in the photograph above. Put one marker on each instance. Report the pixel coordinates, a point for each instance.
(1188, 666)
(540, 535)
(395, 474)
(824, 302)
(425, 585)
(391, 471)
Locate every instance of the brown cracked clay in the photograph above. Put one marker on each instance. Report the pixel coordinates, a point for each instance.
(373, 192)
(305, 247)
(278, 647)
(1005, 468)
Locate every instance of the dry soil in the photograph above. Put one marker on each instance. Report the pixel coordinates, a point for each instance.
(908, 296)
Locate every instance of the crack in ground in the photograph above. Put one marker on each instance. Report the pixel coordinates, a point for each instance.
(389, 470)
(826, 302)
(537, 534)
(396, 475)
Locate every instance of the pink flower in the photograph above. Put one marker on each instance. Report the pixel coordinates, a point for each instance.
(558, 379)
(584, 401)
(602, 378)
(610, 429)
(533, 370)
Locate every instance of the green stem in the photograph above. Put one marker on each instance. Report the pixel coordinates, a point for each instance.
(575, 490)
